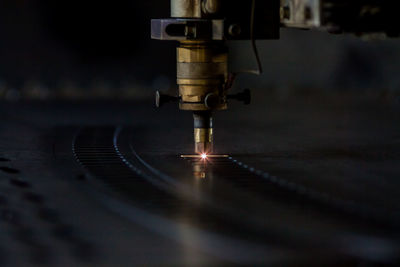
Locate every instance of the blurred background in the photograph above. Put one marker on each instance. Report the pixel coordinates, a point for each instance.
(80, 49)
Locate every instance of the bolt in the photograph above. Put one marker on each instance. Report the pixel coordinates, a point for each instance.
(235, 30)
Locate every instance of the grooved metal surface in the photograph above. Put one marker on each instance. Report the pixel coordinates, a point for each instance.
(313, 183)
(238, 205)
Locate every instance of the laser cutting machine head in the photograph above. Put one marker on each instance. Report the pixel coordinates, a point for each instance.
(202, 28)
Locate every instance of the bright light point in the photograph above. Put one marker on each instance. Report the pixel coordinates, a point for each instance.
(203, 156)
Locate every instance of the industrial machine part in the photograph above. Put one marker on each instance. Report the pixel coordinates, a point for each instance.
(361, 17)
(202, 28)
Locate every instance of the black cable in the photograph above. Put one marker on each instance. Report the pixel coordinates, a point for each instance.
(259, 69)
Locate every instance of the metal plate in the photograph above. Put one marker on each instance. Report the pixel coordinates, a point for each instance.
(303, 185)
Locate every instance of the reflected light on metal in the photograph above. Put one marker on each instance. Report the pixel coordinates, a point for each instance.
(202, 156)
(200, 163)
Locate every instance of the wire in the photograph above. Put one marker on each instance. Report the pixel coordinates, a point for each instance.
(253, 40)
(259, 69)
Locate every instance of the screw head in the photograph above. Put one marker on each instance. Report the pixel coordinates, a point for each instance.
(235, 30)
(211, 100)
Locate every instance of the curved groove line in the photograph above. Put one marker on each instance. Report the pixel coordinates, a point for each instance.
(322, 197)
(151, 179)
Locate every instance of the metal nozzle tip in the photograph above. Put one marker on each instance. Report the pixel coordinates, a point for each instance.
(203, 133)
(203, 140)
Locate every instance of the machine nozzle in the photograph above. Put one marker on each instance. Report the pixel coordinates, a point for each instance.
(203, 132)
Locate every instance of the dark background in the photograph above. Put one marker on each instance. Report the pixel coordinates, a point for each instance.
(86, 49)
(335, 147)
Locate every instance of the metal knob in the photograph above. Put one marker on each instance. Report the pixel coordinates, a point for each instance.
(244, 96)
(162, 99)
(212, 100)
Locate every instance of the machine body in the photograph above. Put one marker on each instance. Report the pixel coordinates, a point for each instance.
(202, 28)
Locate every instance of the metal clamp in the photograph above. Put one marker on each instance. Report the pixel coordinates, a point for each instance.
(187, 29)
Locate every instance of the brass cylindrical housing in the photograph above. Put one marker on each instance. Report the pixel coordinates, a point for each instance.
(202, 70)
(202, 65)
